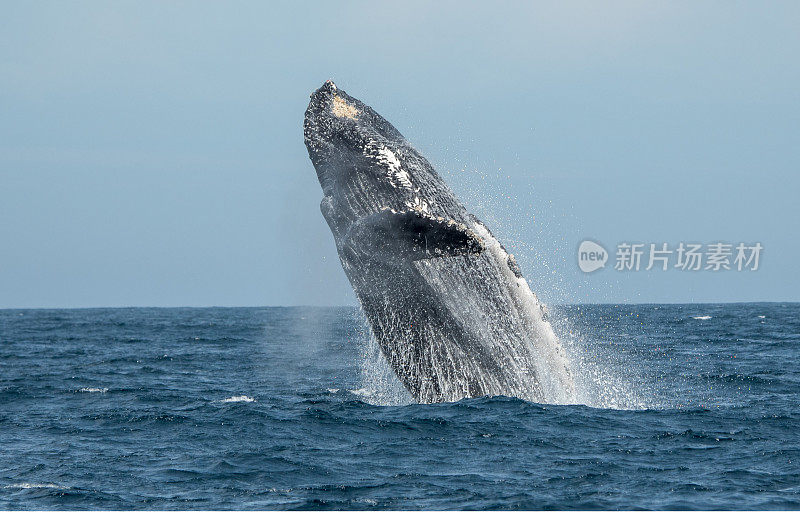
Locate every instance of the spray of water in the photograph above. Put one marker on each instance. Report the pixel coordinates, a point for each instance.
(600, 380)
(379, 384)
(595, 380)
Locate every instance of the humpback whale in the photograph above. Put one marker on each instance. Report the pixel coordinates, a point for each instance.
(447, 304)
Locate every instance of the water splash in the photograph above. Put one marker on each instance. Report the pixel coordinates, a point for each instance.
(599, 379)
(379, 384)
(596, 380)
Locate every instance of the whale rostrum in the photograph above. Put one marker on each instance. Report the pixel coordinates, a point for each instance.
(447, 304)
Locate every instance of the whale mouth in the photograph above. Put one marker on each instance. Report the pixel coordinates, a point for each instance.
(323, 96)
(327, 87)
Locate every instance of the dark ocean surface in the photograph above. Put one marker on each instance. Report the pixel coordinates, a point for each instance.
(689, 407)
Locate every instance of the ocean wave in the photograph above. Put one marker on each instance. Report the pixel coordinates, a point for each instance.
(94, 390)
(238, 398)
(362, 392)
(723, 397)
(28, 485)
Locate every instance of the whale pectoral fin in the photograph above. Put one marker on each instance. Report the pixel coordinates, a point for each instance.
(414, 234)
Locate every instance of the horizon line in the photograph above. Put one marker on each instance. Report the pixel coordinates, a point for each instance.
(357, 306)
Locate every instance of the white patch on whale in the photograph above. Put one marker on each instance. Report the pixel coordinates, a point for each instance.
(418, 204)
(386, 157)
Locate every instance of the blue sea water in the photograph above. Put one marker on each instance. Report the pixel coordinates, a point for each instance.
(690, 407)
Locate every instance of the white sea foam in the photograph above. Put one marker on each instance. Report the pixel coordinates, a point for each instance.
(333, 390)
(706, 317)
(94, 390)
(28, 485)
(239, 398)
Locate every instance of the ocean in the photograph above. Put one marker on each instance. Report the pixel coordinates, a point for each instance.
(693, 406)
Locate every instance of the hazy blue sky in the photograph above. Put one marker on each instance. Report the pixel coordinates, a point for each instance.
(152, 153)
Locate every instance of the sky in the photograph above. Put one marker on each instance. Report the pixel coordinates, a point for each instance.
(151, 153)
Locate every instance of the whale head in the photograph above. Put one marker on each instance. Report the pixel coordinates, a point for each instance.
(338, 130)
(362, 162)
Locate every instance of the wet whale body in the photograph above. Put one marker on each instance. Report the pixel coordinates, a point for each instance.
(447, 304)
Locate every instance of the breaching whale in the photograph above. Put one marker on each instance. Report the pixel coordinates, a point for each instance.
(445, 301)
